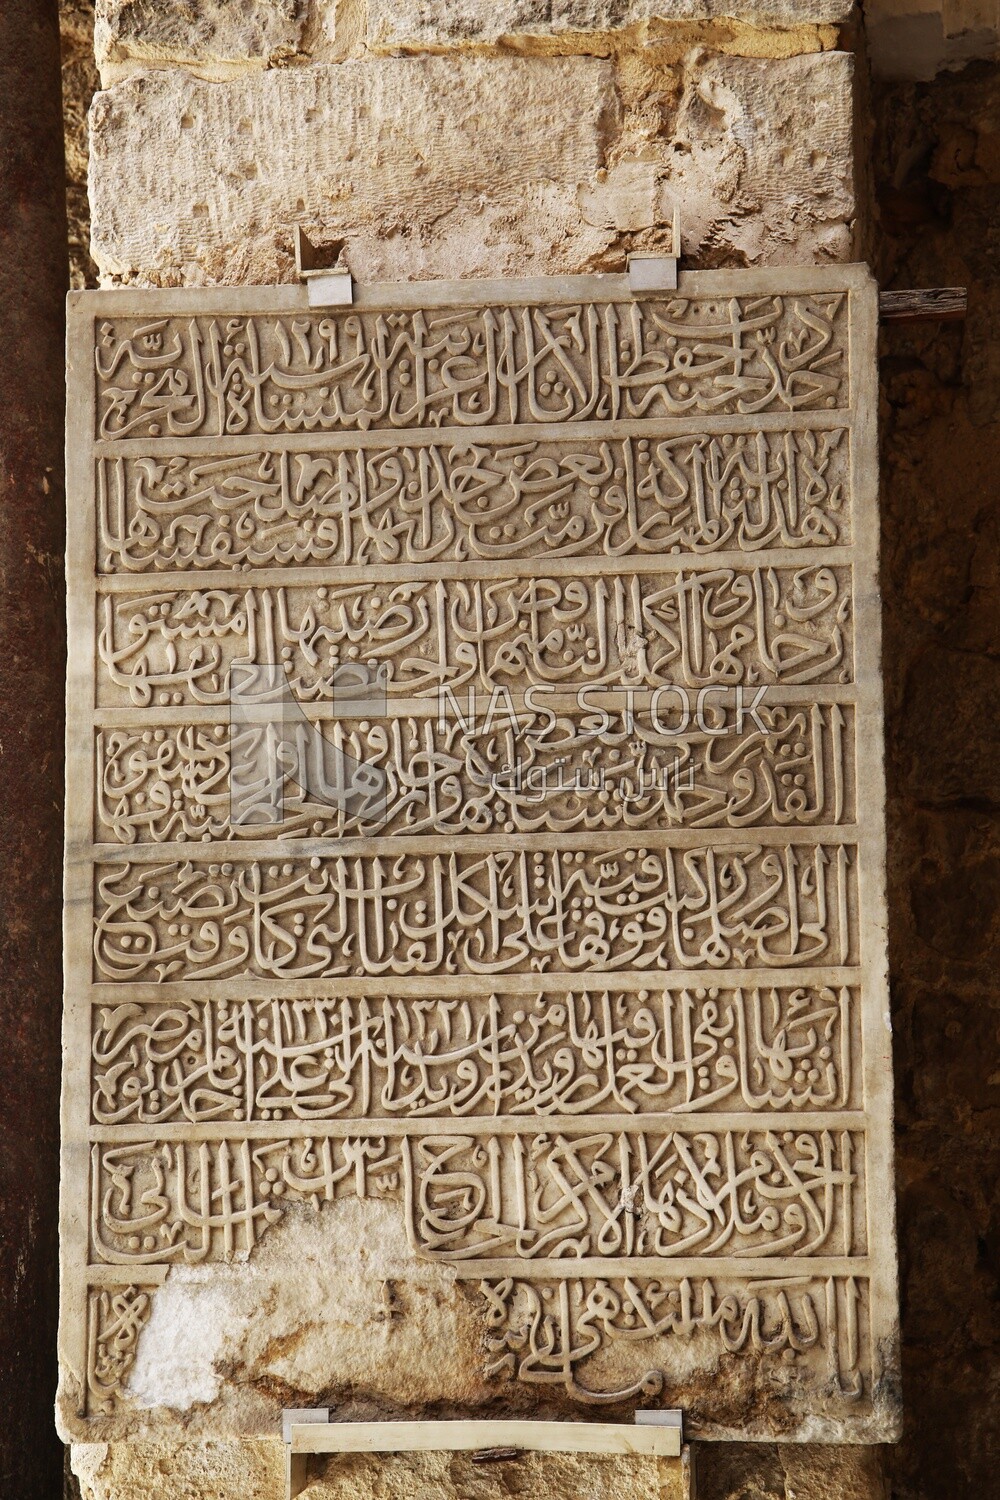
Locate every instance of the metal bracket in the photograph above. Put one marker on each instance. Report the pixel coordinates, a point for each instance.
(297, 1464)
(327, 285)
(668, 1417)
(655, 273)
(656, 1433)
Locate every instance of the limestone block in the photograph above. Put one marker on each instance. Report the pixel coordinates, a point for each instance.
(425, 166)
(445, 167)
(445, 1476)
(255, 1470)
(214, 37)
(247, 1470)
(761, 159)
(417, 23)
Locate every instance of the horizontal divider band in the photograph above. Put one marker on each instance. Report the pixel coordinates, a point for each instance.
(500, 434)
(477, 1125)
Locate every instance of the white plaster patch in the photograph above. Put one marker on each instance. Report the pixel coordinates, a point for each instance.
(336, 1320)
(192, 1323)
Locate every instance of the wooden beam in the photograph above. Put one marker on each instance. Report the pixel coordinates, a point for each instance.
(936, 304)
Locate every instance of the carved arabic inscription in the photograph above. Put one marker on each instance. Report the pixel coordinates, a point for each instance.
(476, 807)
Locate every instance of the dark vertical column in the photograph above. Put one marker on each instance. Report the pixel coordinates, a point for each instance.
(33, 273)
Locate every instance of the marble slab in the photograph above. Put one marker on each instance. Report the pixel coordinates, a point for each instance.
(475, 917)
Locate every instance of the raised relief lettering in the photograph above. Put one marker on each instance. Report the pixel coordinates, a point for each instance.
(476, 810)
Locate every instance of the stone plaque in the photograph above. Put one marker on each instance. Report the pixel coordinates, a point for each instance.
(475, 916)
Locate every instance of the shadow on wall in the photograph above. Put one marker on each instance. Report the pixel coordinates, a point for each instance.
(919, 38)
(938, 185)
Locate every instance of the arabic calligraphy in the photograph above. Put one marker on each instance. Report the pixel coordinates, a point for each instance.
(628, 1194)
(535, 773)
(476, 706)
(619, 1194)
(469, 367)
(115, 1318)
(578, 1052)
(467, 500)
(542, 1332)
(719, 627)
(509, 912)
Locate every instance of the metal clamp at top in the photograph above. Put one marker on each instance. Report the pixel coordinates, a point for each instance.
(327, 285)
(650, 272)
(297, 1464)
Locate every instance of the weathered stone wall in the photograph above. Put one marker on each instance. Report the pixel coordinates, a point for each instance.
(938, 173)
(435, 141)
(463, 139)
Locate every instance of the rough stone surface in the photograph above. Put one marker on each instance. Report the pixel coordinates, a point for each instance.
(215, 37)
(220, 38)
(761, 160)
(254, 1471)
(783, 1471)
(435, 23)
(208, 1354)
(435, 167)
(247, 1470)
(938, 176)
(380, 153)
(443, 1476)
(80, 81)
